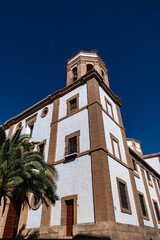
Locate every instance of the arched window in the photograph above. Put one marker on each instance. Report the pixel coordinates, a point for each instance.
(102, 73)
(89, 67)
(19, 126)
(74, 73)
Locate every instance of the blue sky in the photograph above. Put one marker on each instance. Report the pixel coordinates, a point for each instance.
(37, 37)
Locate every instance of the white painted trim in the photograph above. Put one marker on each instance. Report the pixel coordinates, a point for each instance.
(84, 55)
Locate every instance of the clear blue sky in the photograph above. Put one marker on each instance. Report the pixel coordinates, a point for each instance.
(37, 37)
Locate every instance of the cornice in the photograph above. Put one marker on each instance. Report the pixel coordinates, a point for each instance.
(151, 155)
(91, 74)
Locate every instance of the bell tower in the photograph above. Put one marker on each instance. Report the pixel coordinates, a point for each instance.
(81, 63)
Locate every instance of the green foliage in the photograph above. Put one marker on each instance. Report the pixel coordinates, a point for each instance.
(23, 171)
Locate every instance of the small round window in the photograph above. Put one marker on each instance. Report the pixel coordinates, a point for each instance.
(35, 202)
(19, 125)
(44, 112)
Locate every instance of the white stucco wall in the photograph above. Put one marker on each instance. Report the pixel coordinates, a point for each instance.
(154, 163)
(78, 121)
(82, 90)
(118, 170)
(34, 217)
(75, 178)
(102, 97)
(111, 127)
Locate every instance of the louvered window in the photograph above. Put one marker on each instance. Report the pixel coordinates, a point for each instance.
(123, 195)
(141, 198)
(72, 145)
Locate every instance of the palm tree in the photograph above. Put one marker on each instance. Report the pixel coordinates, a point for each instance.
(24, 171)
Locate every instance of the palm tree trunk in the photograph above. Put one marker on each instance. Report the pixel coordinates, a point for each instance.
(12, 220)
(18, 210)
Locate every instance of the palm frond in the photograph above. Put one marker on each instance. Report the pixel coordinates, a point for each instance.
(23, 172)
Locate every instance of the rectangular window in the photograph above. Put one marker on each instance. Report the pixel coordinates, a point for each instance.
(148, 176)
(72, 145)
(109, 108)
(134, 165)
(143, 206)
(41, 147)
(115, 147)
(123, 196)
(149, 179)
(30, 124)
(73, 104)
(156, 210)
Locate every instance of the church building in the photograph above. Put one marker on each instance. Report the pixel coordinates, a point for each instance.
(106, 186)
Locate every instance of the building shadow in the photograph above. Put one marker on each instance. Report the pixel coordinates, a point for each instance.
(35, 235)
(90, 237)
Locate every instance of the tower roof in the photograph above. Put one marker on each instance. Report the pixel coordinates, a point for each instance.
(83, 53)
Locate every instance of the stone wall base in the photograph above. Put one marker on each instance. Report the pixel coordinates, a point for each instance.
(110, 230)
